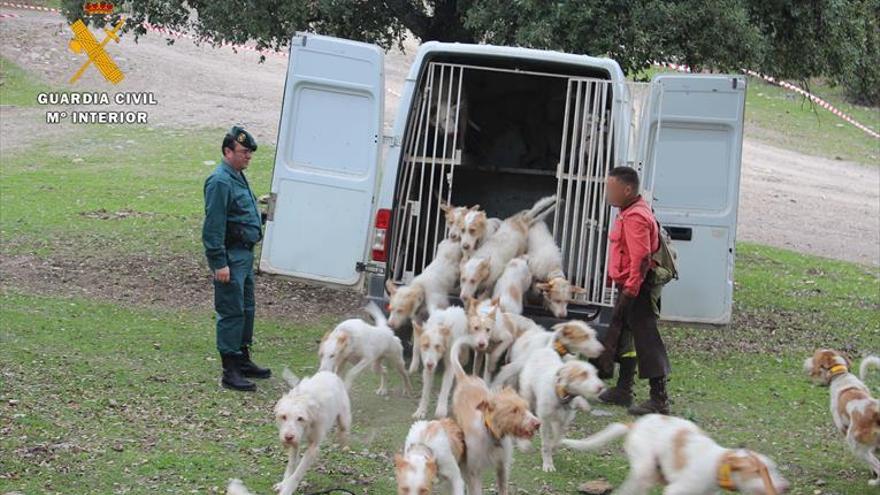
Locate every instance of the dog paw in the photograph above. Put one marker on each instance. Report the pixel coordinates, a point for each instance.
(875, 482)
(382, 391)
(419, 414)
(278, 486)
(549, 467)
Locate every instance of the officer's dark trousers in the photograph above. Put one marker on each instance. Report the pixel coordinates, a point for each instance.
(638, 328)
(234, 303)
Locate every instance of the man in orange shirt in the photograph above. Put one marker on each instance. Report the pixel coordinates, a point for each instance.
(633, 337)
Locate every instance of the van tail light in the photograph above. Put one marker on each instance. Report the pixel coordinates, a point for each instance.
(380, 235)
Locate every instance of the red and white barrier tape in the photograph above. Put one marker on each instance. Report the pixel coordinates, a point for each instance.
(791, 87)
(29, 7)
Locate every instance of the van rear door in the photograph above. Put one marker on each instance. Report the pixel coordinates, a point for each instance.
(692, 172)
(326, 162)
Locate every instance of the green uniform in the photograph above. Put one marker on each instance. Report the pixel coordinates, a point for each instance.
(232, 227)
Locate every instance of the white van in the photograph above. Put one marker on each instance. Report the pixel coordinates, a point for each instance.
(499, 127)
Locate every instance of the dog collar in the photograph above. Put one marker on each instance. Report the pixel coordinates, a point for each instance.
(560, 348)
(564, 397)
(837, 369)
(487, 420)
(724, 479)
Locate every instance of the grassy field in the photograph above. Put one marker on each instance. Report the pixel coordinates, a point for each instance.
(98, 398)
(783, 118)
(17, 87)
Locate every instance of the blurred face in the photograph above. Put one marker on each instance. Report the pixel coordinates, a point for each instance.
(240, 158)
(619, 193)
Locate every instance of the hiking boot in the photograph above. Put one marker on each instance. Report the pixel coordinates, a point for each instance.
(657, 404)
(248, 368)
(622, 394)
(232, 377)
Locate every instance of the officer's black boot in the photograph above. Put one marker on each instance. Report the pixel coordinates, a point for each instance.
(248, 368)
(232, 377)
(622, 394)
(657, 404)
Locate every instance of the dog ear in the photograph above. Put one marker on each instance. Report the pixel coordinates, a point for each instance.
(578, 290)
(431, 468)
(445, 331)
(342, 339)
(390, 287)
(543, 287)
(474, 208)
(445, 207)
(417, 327)
(399, 462)
(485, 406)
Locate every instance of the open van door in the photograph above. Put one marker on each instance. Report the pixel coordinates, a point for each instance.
(326, 162)
(692, 171)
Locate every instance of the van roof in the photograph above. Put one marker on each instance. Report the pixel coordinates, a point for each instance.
(432, 48)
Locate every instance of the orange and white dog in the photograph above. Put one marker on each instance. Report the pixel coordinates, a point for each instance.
(490, 422)
(856, 414)
(676, 452)
(433, 452)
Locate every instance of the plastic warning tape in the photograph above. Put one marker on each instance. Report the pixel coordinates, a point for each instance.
(791, 87)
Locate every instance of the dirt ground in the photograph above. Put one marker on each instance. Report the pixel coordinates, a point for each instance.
(808, 204)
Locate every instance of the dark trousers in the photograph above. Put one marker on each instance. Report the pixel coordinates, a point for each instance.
(637, 327)
(234, 303)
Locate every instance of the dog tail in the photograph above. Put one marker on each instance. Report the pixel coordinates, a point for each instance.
(236, 487)
(454, 353)
(290, 378)
(541, 209)
(377, 314)
(868, 363)
(610, 433)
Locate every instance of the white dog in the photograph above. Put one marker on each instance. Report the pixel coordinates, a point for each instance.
(513, 285)
(551, 385)
(357, 342)
(545, 263)
(304, 416)
(454, 219)
(429, 290)
(572, 337)
(482, 270)
(436, 338)
(676, 451)
(476, 227)
(856, 414)
(490, 421)
(433, 450)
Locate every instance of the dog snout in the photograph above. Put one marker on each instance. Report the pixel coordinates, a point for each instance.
(482, 346)
(290, 438)
(535, 424)
(429, 365)
(466, 247)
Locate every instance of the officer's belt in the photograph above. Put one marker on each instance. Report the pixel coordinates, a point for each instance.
(241, 245)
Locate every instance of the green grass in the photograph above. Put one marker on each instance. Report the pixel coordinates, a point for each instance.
(122, 190)
(17, 87)
(96, 397)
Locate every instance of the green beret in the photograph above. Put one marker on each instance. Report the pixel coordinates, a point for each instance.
(242, 137)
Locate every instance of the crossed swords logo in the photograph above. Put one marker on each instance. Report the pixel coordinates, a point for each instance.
(85, 41)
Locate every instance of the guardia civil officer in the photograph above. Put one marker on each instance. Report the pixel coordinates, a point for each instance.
(233, 226)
